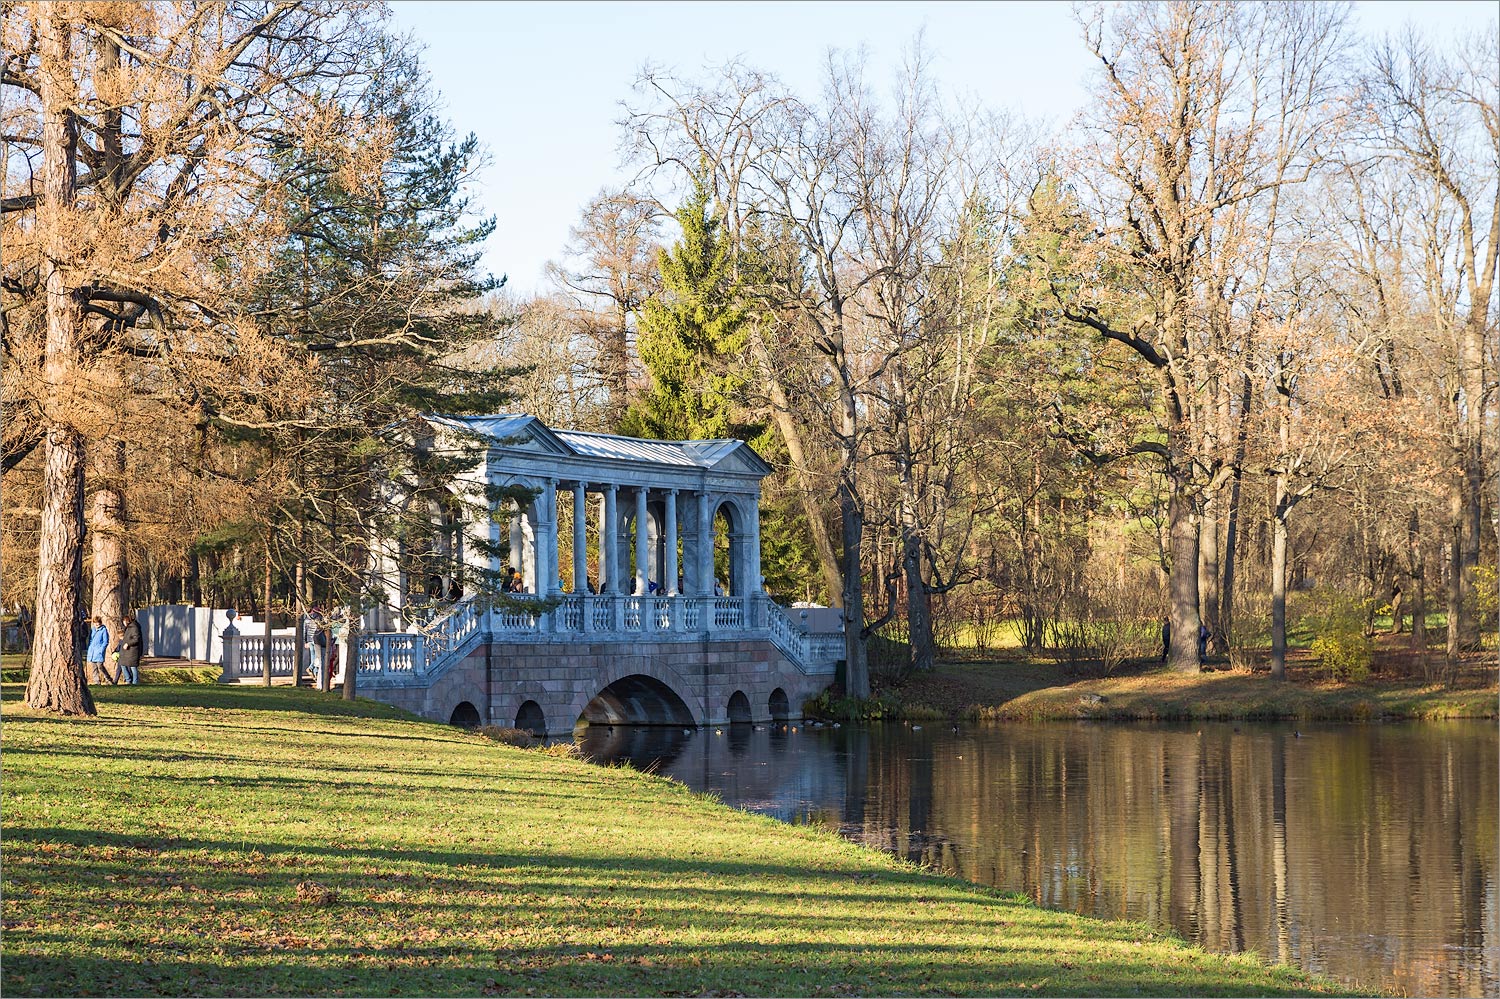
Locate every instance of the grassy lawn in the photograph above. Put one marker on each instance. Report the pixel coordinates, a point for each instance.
(243, 841)
(1021, 688)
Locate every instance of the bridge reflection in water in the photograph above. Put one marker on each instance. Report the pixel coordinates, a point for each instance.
(1368, 853)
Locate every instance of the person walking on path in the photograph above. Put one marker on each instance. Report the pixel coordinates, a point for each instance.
(128, 655)
(98, 646)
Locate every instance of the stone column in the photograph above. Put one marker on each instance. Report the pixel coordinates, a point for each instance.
(580, 538)
(547, 543)
(642, 543)
(609, 565)
(517, 542)
(705, 552)
(752, 549)
(669, 562)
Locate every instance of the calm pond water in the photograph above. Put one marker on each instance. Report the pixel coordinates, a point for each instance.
(1364, 852)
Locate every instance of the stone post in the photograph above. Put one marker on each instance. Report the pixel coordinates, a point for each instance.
(229, 661)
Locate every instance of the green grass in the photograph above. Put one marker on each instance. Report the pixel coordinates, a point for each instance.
(234, 840)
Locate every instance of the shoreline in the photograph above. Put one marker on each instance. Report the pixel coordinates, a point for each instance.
(1016, 689)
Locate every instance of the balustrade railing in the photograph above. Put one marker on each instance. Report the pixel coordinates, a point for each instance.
(252, 655)
(400, 654)
(569, 614)
(728, 612)
(392, 653)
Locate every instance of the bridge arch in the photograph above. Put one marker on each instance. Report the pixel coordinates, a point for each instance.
(465, 715)
(779, 706)
(640, 690)
(637, 700)
(739, 707)
(529, 718)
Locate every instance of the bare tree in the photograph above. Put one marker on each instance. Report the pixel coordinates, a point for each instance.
(1437, 115)
(609, 272)
(1204, 111)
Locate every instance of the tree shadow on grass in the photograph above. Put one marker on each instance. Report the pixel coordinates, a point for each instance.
(205, 916)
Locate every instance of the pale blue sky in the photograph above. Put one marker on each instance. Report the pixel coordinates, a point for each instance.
(540, 83)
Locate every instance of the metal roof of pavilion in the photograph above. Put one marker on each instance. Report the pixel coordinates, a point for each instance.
(515, 429)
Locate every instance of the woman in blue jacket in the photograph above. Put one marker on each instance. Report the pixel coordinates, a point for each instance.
(98, 645)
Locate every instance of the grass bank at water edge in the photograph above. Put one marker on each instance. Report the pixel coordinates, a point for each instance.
(245, 841)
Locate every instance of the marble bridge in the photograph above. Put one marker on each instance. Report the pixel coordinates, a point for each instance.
(624, 619)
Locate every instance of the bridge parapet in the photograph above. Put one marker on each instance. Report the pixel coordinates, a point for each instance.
(410, 659)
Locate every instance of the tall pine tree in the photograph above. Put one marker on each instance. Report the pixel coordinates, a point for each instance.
(693, 336)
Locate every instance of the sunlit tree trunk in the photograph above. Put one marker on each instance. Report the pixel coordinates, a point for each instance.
(107, 531)
(56, 682)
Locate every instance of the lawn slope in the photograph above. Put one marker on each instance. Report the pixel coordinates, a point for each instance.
(241, 841)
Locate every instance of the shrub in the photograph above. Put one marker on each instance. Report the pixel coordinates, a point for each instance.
(518, 737)
(1340, 643)
(875, 708)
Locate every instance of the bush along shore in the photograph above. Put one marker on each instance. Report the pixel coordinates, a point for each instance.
(241, 840)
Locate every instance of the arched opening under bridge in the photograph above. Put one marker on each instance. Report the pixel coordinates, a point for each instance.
(638, 700)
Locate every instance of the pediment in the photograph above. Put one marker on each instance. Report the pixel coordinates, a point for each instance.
(509, 432)
(728, 456)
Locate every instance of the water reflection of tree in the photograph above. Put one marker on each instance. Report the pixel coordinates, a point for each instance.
(1250, 839)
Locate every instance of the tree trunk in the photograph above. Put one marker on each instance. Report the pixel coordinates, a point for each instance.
(1209, 567)
(1278, 582)
(351, 647)
(1231, 553)
(856, 662)
(1418, 587)
(107, 533)
(56, 682)
(1455, 569)
(1183, 582)
(918, 602)
(265, 657)
(299, 584)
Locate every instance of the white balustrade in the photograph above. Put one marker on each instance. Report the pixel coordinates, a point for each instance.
(569, 614)
(729, 612)
(601, 612)
(692, 613)
(660, 612)
(252, 655)
(632, 613)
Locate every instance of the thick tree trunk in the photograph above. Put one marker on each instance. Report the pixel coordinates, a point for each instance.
(1183, 582)
(918, 602)
(56, 682)
(1209, 566)
(107, 534)
(856, 661)
(1231, 555)
(351, 647)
